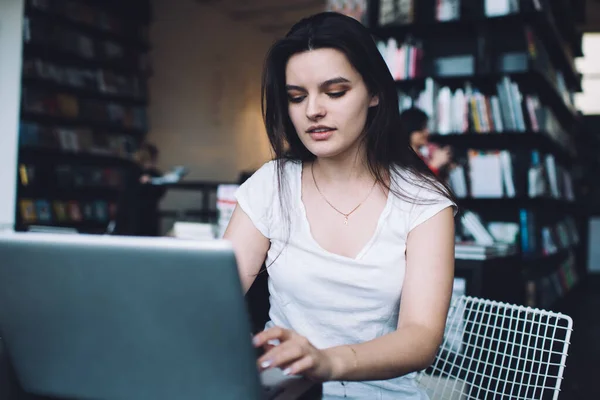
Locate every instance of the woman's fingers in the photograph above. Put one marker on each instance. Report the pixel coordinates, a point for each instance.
(298, 367)
(282, 355)
(271, 336)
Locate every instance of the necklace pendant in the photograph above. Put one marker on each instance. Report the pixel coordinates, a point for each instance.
(345, 220)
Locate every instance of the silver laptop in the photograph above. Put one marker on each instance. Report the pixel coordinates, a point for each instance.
(113, 317)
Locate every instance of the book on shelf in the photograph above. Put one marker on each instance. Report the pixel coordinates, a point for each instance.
(546, 290)
(502, 174)
(402, 12)
(37, 71)
(447, 10)
(467, 109)
(60, 211)
(476, 241)
(529, 234)
(88, 176)
(70, 107)
(474, 251)
(546, 239)
(497, 8)
(357, 9)
(27, 209)
(44, 211)
(561, 235)
(457, 181)
(27, 176)
(404, 61)
(41, 31)
(396, 12)
(76, 140)
(472, 224)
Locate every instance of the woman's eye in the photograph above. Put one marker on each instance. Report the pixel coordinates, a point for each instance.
(335, 95)
(296, 99)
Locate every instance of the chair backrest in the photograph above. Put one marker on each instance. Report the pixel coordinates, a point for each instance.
(494, 350)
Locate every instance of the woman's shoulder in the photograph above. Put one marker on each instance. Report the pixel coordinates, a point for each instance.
(420, 189)
(273, 176)
(422, 196)
(269, 171)
(413, 183)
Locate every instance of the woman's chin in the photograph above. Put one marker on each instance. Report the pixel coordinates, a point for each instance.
(325, 150)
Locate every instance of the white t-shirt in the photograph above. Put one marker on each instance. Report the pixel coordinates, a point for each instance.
(331, 299)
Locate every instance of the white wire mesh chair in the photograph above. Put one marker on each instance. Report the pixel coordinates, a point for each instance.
(495, 350)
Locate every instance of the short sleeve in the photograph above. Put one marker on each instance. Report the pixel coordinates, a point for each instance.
(430, 203)
(255, 197)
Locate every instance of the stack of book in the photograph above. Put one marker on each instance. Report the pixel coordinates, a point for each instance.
(474, 251)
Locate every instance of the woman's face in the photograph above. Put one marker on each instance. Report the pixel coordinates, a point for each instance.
(419, 138)
(328, 101)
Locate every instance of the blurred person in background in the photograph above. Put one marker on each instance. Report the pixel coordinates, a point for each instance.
(414, 124)
(137, 210)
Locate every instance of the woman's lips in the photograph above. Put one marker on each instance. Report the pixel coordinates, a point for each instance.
(321, 134)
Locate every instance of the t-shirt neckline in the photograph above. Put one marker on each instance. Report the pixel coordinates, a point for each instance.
(306, 224)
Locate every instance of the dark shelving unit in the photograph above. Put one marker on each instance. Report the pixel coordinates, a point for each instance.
(540, 21)
(507, 140)
(63, 121)
(59, 56)
(73, 193)
(533, 49)
(81, 92)
(540, 265)
(544, 204)
(39, 153)
(533, 79)
(83, 111)
(57, 19)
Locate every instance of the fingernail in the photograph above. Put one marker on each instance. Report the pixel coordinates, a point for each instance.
(266, 364)
(255, 341)
(273, 342)
(287, 371)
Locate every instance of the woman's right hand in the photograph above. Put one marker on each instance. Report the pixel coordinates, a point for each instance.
(440, 157)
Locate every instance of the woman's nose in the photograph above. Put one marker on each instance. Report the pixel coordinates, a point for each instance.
(315, 109)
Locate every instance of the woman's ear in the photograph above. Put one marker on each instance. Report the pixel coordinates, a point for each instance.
(374, 101)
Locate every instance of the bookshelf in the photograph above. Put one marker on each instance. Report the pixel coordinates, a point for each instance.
(83, 109)
(497, 79)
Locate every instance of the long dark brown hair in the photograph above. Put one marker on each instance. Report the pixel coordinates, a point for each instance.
(386, 143)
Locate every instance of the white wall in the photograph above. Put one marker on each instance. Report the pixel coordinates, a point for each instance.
(205, 91)
(11, 28)
(589, 65)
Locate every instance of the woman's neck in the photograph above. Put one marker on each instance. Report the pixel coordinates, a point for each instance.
(347, 167)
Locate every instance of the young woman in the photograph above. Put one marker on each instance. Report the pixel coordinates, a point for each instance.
(357, 233)
(414, 124)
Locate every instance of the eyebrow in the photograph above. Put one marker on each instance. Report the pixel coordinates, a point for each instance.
(322, 85)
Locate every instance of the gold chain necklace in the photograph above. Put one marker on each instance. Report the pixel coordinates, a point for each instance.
(346, 215)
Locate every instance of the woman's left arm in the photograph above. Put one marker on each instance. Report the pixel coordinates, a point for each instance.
(412, 347)
(426, 297)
